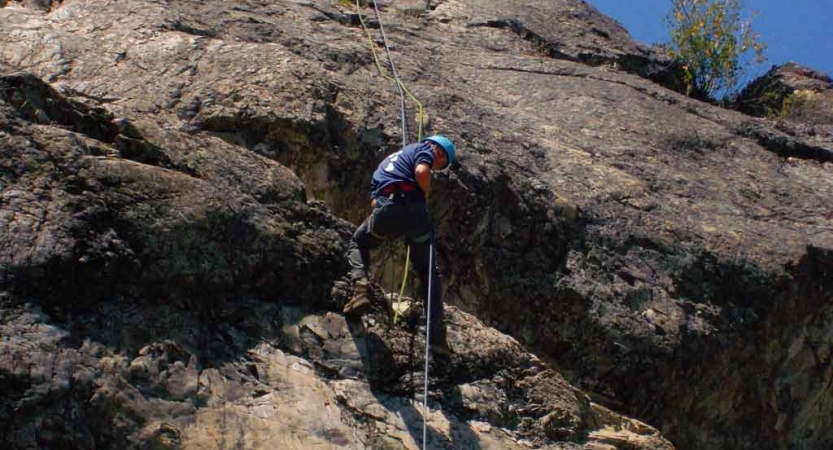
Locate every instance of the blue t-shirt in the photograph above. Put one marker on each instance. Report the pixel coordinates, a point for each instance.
(401, 166)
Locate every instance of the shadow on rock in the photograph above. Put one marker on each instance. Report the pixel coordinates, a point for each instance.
(393, 365)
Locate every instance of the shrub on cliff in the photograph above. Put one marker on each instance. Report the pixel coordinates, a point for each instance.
(806, 107)
(711, 39)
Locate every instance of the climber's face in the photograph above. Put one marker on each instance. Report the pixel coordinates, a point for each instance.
(440, 158)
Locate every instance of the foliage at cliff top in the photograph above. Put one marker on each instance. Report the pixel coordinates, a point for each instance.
(712, 40)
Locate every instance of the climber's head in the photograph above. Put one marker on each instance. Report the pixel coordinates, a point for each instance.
(444, 151)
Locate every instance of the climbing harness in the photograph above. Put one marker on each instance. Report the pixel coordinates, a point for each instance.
(402, 90)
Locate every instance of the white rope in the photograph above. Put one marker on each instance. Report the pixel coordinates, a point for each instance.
(395, 76)
(427, 340)
(431, 245)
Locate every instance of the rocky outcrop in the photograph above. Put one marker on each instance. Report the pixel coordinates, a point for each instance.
(800, 100)
(253, 374)
(766, 96)
(569, 30)
(667, 257)
(94, 204)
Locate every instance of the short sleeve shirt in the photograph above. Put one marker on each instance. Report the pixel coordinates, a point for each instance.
(400, 167)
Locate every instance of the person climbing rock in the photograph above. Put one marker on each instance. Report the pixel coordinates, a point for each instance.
(399, 190)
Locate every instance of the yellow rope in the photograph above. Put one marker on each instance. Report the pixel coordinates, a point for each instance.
(420, 113)
(420, 118)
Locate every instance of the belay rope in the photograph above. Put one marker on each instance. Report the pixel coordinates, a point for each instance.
(402, 90)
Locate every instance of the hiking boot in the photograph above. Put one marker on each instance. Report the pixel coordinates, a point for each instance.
(440, 351)
(360, 299)
(439, 346)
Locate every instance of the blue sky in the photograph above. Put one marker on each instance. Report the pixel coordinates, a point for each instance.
(794, 30)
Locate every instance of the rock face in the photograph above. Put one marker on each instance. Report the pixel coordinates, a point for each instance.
(163, 290)
(669, 258)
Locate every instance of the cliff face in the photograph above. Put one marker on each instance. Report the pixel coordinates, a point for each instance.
(166, 276)
(167, 290)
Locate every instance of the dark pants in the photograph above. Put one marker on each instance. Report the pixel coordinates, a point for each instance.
(400, 218)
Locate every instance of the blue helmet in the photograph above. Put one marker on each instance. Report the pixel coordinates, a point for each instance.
(446, 144)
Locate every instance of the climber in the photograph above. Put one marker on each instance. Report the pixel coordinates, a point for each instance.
(399, 190)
